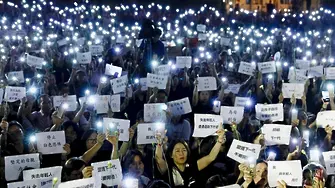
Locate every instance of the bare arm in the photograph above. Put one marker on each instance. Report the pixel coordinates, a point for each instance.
(195, 94)
(161, 163)
(80, 113)
(89, 154)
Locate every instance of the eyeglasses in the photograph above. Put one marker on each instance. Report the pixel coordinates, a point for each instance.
(92, 140)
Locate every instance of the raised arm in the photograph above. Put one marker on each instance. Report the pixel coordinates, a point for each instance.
(161, 163)
(80, 113)
(205, 161)
(89, 154)
(195, 94)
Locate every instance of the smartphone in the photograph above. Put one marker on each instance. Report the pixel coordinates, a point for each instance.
(112, 129)
(217, 106)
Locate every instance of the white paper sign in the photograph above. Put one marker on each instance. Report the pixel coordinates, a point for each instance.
(225, 41)
(71, 100)
(243, 152)
(52, 172)
(302, 64)
(120, 40)
(329, 158)
(50, 142)
(241, 101)
(325, 94)
(201, 28)
(206, 84)
(1, 95)
(81, 41)
(110, 172)
(15, 164)
(155, 112)
(101, 103)
(146, 132)
(35, 61)
(28, 183)
(297, 75)
(111, 70)
(180, 107)
(330, 73)
(115, 103)
(159, 81)
(316, 71)
(183, 61)
(275, 134)
(206, 124)
(232, 114)
(267, 67)
(96, 49)
(163, 70)
(121, 125)
(62, 42)
(202, 36)
(139, 42)
(16, 74)
(119, 84)
(246, 68)
(81, 183)
(325, 118)
(84, 58)
(13, 94)
(289, 89)
(234, 88)
(273, 112)
(143, 83)
(288, 171)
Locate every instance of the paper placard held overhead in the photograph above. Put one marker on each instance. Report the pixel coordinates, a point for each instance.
(302, 64)
(112, 70)
(246, 68)
(273, 112)
(201, 28)
(183, 61)
(155, 80)
(267, 67)
(143, 83)
(34, 61)
(180, 107)
(206, 124)
(275, 134)
(231, 186)
(241, 101)
(50, 142)
(81, 183)
(62, 42)
(52, 172)
(232, 115)
(26, 184)
(16, 163)
(101, 103)
(206, 84)
(146, 132)
(330, 73)
(81, 41)
(155, 112)
(325, 118)
(119, 84)
(121, 126)
(234, 88)
(202, 36)
(293, 88)
(329, 158)
(13, 94)
(115, 103)
(16, 76)
(110, 172)
(163, 70)
(244, 152)
(96, 49)
(316, 71)
(225, 41)
(84, 58)
(288, 171)
(71, 100)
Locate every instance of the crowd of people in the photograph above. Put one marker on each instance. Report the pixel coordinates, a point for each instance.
(149, 96)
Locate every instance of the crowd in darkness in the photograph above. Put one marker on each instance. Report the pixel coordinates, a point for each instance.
(206, 99)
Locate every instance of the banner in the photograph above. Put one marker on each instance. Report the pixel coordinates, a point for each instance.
(206, 125)
(273, 112)
(288, 171)
(206, 83)
(13, 94)
(275, 134)
(244, 152)
(50, 142)
(232, 115)
(180, 107)
(110, 172)
(16, 163)
(121, 126)
(155, 112)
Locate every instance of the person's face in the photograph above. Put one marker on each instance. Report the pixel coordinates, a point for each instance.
(70, 134)
(80, 77)
(179, 154)
(91, 141)
(175, 81)
(15, 133)
(46, 104)
(175, 119)
(136, 168)
(65, 90)
(156, 38)
(161, 98)
(261, 172)
(76, 174)
(204, 97)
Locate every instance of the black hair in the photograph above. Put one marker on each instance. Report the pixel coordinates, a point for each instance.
(158, 184)
(162, 91)
(216, 181)
(128, 159)
(75, 126)
(15, 123)
(140, 115)
(157, 32)
(72, 164)
(173, 144)
(86, 135)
